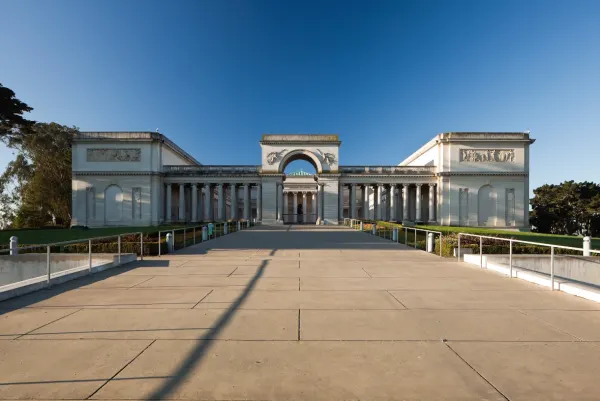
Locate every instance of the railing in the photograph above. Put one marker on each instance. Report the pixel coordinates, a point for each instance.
(511, 241)
(212, 170)
(401, 170)
(38, 266)
(201, 233)
(393, 233)
(24, 264)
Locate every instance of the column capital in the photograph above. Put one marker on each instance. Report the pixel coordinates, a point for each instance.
(432, 184)
(419, 184)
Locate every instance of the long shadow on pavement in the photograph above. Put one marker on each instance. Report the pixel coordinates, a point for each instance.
(205, 342)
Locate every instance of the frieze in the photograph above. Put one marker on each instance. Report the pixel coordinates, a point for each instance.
(114, 155)
(487, 155)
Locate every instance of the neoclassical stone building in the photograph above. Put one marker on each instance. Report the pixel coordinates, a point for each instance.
(457, 178)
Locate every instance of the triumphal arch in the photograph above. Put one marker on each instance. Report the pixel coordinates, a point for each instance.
(457, 178)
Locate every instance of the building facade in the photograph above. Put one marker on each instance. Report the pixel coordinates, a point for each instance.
(456, 179)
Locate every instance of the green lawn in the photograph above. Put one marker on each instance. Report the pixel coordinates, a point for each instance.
(46, 236)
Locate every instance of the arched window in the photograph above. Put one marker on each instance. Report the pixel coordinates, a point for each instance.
(486, 210)
(113, 204)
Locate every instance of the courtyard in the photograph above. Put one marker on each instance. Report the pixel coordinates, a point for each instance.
(299, 312)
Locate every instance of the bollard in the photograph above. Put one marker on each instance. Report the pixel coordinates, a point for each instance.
(374, 229)
(361, 226)
(587, 243)
(225, 229)
(239, 225)
(204, 233)
(430, 242)
(395, 234)
(170, 247)
(14, 246)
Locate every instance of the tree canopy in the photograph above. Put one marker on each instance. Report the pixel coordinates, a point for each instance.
(12, 123)
(568, 208)
(35, 189)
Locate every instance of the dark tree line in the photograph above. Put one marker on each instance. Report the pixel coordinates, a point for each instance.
(35, 188)
(571, 208)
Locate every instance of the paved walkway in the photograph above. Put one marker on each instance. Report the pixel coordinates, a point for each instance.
(303, 313)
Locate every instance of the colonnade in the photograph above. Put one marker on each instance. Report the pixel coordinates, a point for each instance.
(303, 196)
(388, 200)
(202, 203)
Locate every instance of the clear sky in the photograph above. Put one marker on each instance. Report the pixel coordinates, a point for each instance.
(386, 76)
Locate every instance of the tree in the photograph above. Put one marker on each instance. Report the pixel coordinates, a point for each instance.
(568, 208)
(37, 184)
(12, 123)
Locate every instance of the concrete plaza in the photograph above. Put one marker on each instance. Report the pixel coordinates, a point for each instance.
(303, 313)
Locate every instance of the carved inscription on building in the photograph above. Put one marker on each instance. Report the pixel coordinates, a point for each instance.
(114, 155)
(487, 155)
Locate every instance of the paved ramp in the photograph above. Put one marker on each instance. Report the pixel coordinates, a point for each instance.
(303, 313)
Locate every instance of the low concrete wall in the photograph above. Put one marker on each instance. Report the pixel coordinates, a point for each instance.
(21, 274)
(584, 269)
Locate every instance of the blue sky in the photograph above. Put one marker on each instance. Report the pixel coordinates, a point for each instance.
(385, 76)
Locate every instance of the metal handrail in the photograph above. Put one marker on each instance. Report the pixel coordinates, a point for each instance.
(511, 241)
(350, 223)
(75, 241)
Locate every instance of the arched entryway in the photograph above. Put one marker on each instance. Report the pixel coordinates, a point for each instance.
(299, 188)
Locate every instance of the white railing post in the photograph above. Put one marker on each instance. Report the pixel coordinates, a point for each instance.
(587, 246)
(14, 246)
(170, 243)
(225, 229)
(142, 246)
(481, 252)
(552, 268)
(48, 269)
(119, 247)
(374, 230)
(90, 254)
(510, 263)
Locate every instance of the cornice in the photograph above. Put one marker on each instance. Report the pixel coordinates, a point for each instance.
(118, 173)
(474, 173)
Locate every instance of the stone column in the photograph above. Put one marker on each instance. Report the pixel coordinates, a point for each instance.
(322, 202)
(259, 202)
(207, 202)
(341, 202)
(405, 202)
(378, 203)
(432, 203)
(194, 202)
(246, 201)
(280, 194)
(234, 201)
(220, 203)
(353, 200)
(169, 211)
(304, 207)
(200, 203)
(313, 206)
(295, 208)
(393, 215)
(284, 211)
(418, 204)
(365, 200)
(181, 202)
